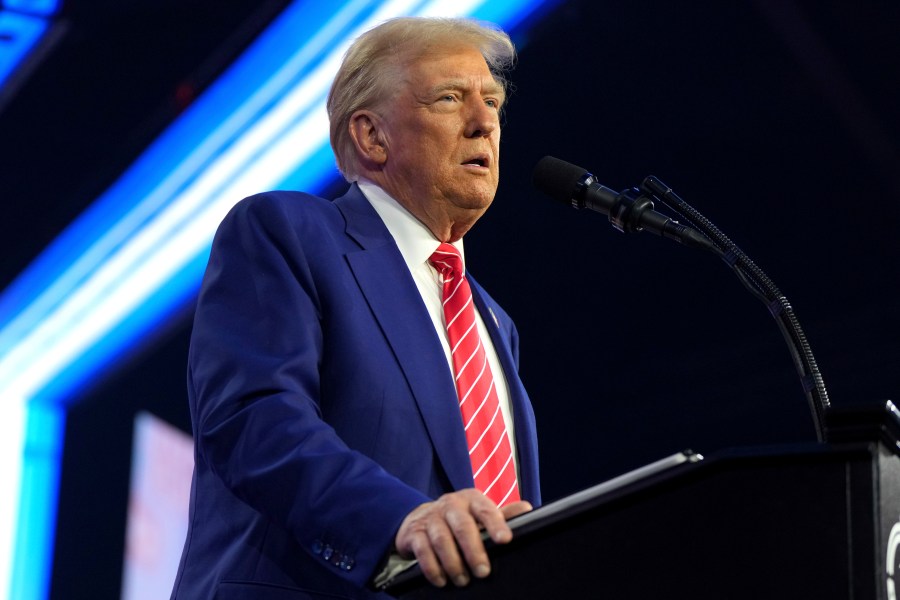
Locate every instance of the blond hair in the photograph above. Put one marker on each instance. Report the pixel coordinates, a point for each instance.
(364, 79)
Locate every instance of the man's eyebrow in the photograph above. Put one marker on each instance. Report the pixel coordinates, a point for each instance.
(491, 87)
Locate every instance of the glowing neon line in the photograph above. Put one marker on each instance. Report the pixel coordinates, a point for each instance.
(92, 309)
(44, 8)
(19, 33)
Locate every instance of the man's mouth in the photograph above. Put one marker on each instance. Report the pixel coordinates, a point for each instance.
(480, 160)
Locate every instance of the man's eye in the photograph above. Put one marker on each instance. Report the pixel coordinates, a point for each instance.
(449, 98)
(491, 103)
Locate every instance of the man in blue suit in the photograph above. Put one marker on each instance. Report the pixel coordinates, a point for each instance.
(328, 437)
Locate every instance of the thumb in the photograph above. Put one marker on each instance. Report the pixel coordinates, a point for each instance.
(515, 509)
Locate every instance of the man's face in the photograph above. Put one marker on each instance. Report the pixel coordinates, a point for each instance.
(442, 134)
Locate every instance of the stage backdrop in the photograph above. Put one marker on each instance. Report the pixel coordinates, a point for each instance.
(775, 118)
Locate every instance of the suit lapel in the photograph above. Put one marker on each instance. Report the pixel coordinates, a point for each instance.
(523, 415)
(391, 293)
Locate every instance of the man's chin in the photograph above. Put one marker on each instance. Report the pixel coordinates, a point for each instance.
(478, 199)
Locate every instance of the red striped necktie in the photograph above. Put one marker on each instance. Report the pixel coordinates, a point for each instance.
(489, 449)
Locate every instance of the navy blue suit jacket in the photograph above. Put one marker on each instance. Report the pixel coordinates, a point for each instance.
(323, 407)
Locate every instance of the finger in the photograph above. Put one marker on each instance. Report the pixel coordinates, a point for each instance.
(467, 537)
(411, 527)
(412, 541)
(428, 561)
(443, 540)
(492, 519)
(515, 509)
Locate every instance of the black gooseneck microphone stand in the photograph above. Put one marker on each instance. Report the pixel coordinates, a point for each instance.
(762, 287)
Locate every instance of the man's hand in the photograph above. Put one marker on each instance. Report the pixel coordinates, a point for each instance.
(435, 533)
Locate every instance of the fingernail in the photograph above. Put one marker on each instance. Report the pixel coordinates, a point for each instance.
(461, 580)
(482, 570)
(439, 581)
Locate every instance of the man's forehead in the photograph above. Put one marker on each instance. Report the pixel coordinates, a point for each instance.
(452, 66)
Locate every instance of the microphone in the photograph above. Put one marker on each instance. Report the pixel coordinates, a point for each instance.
(629, 211)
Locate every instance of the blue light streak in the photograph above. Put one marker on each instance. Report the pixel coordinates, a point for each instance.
(19, 34)
(44, 8)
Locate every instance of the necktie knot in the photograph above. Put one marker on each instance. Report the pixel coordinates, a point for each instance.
(447, 261)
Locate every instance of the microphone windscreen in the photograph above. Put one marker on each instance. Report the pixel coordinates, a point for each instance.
(557, 178)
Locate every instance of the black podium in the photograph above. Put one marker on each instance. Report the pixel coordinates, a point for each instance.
(819, 521)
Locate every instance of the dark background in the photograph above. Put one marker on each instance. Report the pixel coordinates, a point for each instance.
(778, 119)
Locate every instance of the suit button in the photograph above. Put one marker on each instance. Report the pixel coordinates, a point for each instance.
(336, 558)
(327, 552)
(317, 547)
(346, 563)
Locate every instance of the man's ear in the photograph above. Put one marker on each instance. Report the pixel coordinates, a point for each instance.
(368, 137)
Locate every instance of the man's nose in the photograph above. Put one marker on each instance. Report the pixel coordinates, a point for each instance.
(482, 119)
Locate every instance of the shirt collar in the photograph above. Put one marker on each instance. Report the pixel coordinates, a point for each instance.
(415, 241)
